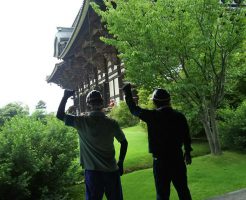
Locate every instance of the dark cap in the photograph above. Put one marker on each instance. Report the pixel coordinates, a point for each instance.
(160, 95)
(94, 97)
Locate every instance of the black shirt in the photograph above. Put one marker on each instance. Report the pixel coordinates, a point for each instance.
(168, 130)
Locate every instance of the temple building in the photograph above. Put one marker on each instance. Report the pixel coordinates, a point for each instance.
(87, 63)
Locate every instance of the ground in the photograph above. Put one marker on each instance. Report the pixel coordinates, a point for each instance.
(209, 176)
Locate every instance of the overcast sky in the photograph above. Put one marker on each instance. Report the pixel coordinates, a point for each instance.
(28, 29)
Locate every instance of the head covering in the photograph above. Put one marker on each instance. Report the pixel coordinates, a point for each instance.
(94, 100)
(160, 95)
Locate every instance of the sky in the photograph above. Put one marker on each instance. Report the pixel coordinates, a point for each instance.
(28, 29)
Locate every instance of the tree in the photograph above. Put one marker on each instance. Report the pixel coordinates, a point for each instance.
(40, 111)
(235, 89)
(185, 46)
(233, 126)
(41, 105)
(11, 110)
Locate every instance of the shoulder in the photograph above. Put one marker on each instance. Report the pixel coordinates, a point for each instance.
(110, 120)
(74, 117)
(149, 111)
(179, 114)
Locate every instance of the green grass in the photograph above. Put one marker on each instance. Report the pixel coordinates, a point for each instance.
(138, 157)
(208, 176)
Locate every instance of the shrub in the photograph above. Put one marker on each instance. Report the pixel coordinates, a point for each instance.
(233, 127)
(122, 115)
(145, 102)
(35, 158)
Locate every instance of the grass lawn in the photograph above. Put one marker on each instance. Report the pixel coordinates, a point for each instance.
(138, 157)
(208, 176)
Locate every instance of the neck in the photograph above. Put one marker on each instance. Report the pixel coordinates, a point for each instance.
(164, 106)
(97, 110)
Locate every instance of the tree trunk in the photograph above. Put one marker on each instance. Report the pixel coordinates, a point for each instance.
(208, 117)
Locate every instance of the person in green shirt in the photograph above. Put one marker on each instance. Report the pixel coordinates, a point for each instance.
(97, 153)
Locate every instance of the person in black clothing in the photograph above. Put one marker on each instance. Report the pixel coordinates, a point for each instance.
(168, 132)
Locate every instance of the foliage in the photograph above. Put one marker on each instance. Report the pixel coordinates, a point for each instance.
(40, 111)
(192, 115)
(123, 116)
(34, 158)
(233, 127)
(145, 102)
(11, 110)
(184, 46)
(144, 97)
(236, 79)
(41, 105)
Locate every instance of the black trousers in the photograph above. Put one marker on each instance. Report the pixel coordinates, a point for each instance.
(166, 172)
(99, 183)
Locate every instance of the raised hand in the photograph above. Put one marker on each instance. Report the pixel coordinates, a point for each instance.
(127, 88)
(68, 93)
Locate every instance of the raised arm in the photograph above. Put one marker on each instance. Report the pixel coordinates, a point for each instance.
(61, 109)
(134, 109)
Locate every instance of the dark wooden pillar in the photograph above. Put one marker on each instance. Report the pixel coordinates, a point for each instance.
(88, 81)
(120, 80)
(96, 76)
(77, 102)
(82, 99)
(106, 94)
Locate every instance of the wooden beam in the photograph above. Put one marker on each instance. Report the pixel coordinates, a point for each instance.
(106, 94)
(120, 81)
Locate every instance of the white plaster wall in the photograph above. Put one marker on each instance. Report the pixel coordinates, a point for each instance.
(111, 88)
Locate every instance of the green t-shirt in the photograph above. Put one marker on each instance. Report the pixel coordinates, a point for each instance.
(96, 137)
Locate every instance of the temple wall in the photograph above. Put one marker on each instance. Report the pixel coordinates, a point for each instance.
(112, 93)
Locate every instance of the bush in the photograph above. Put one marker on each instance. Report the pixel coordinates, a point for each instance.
(233, 127)
(123, 116)
(35, 158)
(144, 101)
